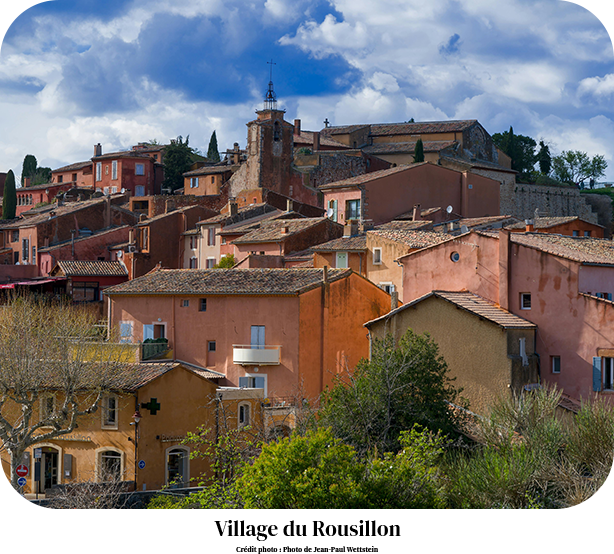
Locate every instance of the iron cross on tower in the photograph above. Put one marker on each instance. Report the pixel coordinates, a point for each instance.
(270, 99)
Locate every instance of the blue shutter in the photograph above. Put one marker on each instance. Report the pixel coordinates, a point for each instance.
(596, 373)
(243, 381)
(148, 332)
(259, 382)
(258, 336)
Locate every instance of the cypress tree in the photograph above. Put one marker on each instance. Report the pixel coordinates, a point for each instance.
(213, 154)
(419, 152)
(9, 200)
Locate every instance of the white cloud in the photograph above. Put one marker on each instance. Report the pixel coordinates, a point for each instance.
(384, 82)
(597, 86)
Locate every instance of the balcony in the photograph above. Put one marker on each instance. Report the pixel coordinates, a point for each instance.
(246, 354)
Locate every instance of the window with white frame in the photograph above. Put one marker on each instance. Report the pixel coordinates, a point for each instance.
(139, 169)
(555, 364)
(193, 262)
(177, 467)
(525, 300)
(110, 465)
(113, 190)
(98, 171)
(193, 182)
(341, 260)
(109, 411)
(210, 263)
(352, 209)
(388, 287)
(114, 169)
(244, 414)
(211, 236)
(254, 382)
(193, 243)
(185, 303)
(377, 256)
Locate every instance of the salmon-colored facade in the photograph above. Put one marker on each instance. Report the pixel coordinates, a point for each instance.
(381, 196)
(290, 343)
(562, 284)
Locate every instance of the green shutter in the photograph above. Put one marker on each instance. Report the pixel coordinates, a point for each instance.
(596, 373)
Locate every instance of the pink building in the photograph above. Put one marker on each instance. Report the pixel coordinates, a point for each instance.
(564, 285)
(288, 331)
(383, 195)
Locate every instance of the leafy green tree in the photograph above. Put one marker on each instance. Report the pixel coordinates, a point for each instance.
(419, 152)
(178, 156)
(226, 262)
(544, 158)
(575, 166)
(400, 386)
(42, 176)
(213, 154)
(9, 200)
(520, 148)
(28, 168)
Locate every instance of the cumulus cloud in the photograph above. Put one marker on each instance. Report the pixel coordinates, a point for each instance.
(602, 87)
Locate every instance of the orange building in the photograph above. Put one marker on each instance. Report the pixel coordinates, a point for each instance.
(287, 331)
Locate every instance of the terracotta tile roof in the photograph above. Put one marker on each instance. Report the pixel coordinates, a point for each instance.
(226, 282)
(191, 232)
(366, 177)
(473, 304)
(176, 211)
(244, 227)
(272, 231)
(490, 220)
(579, 249)
(135, 376)
(124, 154)
(43, 186)
(73, 167)
(357, 243)
(94, 235)
(405, 225)
(244, 213)
(378, 129)
(547, 222)
(411, 238)
(208, 170)
(306, 138)
(406, 147)
(71, 268)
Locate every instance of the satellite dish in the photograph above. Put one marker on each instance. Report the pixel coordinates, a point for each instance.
(329, 212)
(449, 209)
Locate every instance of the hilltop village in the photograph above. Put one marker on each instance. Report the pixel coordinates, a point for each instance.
(275, 269)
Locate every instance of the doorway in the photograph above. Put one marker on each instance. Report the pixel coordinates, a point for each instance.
(49, 468)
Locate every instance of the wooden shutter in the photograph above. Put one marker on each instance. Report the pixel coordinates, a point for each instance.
(596, 373)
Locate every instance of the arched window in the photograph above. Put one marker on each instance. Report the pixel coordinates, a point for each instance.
(244, 414)
(109, 465)
(177, 467)
(276, 131)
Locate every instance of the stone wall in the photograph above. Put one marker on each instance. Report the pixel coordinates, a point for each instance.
(521, 200)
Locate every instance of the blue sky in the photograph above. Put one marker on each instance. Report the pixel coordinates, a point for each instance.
(77, 72)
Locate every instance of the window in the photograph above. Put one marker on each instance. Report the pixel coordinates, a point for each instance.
(254, 382)
(604, 295)
(388, 287)
(210, 263)
(125, 331)
(154, 331)
(106, 169)
(74, 177)
(139, 190)
(587, 233)
(25, 248)
(555, 364)
(193, 182)
(276, 131)
(244, 413)
(14, 236)
(341, 260)
(193, 243)
(60, 178)
(257, 337)
(332, 206)
(113, 190)
(377, 256)
(455, 257)
(109, 465)
(211, 236)
(98, 171)
(211, 346)
(145, 238)
(185, 303)
(114, 169)
(525, 301)
(84, 291)
(576, 233)
(193, 262)
(608, 373)
(203, 305)
(352, 209)
(109, 411)
(223, 240)
(139, 169)
(106, 190)
(34, 256)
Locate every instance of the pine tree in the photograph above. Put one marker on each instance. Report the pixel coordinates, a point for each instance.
(29, 167)
(9, 200)
(544, 158)
(213, 154)
(419, 152)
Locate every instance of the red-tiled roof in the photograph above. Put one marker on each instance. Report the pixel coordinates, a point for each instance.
(226, 282)
(357, 243)
(208, 170)
(405, 225)
(426, 127)
(379, 148)
(306, 138)
(72, 268)
(273, 231)
(473, 304)
(73, 167)
(411, 238)
(547, 222)
(580, 249)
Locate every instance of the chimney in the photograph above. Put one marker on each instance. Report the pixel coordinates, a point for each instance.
(417, 215)
(236, 155)
(297, 127)
(131, 236)
(530, 226)
(316, 141)
(325, 274)
(233, 208)
(27, 181)
(97, 150)
(289, 205)
(394, 300)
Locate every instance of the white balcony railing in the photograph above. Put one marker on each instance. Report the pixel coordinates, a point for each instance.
(246, 354)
